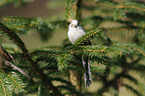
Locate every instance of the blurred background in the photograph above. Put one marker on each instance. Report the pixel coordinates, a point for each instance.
(49, 10)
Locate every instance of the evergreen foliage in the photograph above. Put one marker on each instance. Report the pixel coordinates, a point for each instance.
(112, 60)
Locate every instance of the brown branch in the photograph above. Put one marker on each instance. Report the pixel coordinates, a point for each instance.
(43, 53)
(22, 46)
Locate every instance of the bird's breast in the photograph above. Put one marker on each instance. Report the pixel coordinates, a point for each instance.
(74, 35)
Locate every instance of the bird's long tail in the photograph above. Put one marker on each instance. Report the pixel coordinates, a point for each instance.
(17, 68)
(87, 72)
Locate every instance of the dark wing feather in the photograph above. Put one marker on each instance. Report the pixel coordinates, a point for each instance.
(85, 43)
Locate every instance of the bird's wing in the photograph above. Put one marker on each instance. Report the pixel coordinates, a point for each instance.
(86, 42)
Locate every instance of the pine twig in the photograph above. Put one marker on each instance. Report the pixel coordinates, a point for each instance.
(22, 46)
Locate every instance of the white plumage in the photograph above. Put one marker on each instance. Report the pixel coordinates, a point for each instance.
(75, 32)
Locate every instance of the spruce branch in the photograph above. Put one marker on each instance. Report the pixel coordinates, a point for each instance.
(46, 52)
(87, 36)
(21, 25)
(63, 61)
(64, 81)
(95, 52)
(110, 61)
(110, 83)
(73, 10)
(12, 83)
(22, 46)
(12, 79)
(129, 6)
(132, 90)
(73, 90)
(129, 77)
(4, 90)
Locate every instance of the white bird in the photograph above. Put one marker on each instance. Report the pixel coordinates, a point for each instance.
(74, 33)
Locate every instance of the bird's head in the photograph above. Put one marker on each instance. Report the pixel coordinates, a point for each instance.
(74, 23)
